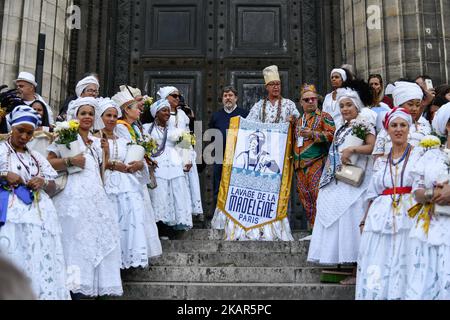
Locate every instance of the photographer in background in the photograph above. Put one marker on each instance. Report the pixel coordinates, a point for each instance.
(429, 92)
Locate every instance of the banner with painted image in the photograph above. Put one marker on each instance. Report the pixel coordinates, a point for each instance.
(257, 173)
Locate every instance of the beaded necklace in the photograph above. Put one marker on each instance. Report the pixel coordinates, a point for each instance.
(35, 163)
(164, 132)
(264, 111)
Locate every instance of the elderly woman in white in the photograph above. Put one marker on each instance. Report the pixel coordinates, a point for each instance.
(139, 234)
(384, 249)
(341, 206)
(409, 96)
(429, 264)
(91, 237)
(30, 233)
(171, 199)
(179, 121)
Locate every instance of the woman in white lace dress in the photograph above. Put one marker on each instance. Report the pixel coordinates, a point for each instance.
(90, 226)
(409, 96)
(123, 184)
(171, 199)
(180, 121)
(341, 206)
(383, 254)
(429, 265)
(30, 233)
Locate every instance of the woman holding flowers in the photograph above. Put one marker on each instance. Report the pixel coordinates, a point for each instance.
(340, 205)
(383, 253)
(179, 121)
(171, 198)
(138, 232)
(91, 236)
(429, 251)
(30, 233)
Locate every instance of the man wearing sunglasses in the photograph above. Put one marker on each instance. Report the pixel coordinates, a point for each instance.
(274, 108)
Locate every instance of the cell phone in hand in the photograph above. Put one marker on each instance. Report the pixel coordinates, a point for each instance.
(429, 84)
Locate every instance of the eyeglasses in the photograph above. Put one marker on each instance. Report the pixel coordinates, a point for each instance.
(92, 91)
(274, 84)
(175, 96)
(309, 100)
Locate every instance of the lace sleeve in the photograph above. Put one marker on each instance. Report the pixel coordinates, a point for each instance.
(380, 143)
(255, 113)
(46, 169)
(54, 149)
(3, 157)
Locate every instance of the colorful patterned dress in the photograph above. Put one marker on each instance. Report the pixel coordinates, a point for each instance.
(310, 156)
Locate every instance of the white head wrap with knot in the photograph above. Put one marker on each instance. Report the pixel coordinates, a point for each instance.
(164, 92)
(75, 106)
(135, 92)
(84, 83)
(403, 91)
(24, 115)
(341, 72)
(344, 93)
(159, 105)
(441, 119)
(397, 113)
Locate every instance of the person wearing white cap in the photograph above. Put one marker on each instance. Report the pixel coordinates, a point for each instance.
(171, 199)
(330, 105)
(127, 127)
(91, 236)
(341, 205)
(125, 188)
(30, 233)
(407, 95)
(180, 121)
(384, 248)
(429, 251)
(136, 94)
(26, 87)
(274, 108)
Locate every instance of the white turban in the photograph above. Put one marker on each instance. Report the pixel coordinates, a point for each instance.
(84, 83)
(341, 72)
(24, 115)
(159, 105)
(166, 91)
(403, 91)
(344, 93)
(75, 106)
(135, 92)
(441, 119)
(103, 105)
(397, 113)
(123, 99)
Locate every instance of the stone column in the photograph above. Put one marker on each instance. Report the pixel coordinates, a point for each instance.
(397, 38)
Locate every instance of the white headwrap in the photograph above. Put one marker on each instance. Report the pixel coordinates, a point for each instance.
(403, 91)
(75, 106)
(159, 105)
(24, 115)
(441, 119)
(396, 113)
(341, 72)
(135, 92)
(103, 105)
(343, 93)
(163, 93)
(123, 99)
(84, 83)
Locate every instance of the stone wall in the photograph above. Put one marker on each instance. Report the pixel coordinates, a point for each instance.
(413, 38)
(21, 23)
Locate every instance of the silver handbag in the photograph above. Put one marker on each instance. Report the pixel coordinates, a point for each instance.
(351, 175)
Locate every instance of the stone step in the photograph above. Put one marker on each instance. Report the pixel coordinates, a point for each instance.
(211, 234)
(236, 259)
(235, 291)
(212, 246)
(224, 275)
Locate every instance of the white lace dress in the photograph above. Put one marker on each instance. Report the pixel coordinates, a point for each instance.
(383, 253)
(331, 107)
(181, 121)
(31, 237)
(91, 237)
(417, 132)
(171, 199)
(138, 241)
(429, 265)
(340, 209)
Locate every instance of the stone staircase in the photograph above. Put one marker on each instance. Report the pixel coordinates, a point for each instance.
(198, 265)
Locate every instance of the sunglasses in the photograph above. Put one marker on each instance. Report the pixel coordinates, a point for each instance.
(309, 100)
(175, 96)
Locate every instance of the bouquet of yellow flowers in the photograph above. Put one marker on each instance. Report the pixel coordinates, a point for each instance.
(148, 101)
(150, 145)
(67, 132)
(430, 142)
(186, 140)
